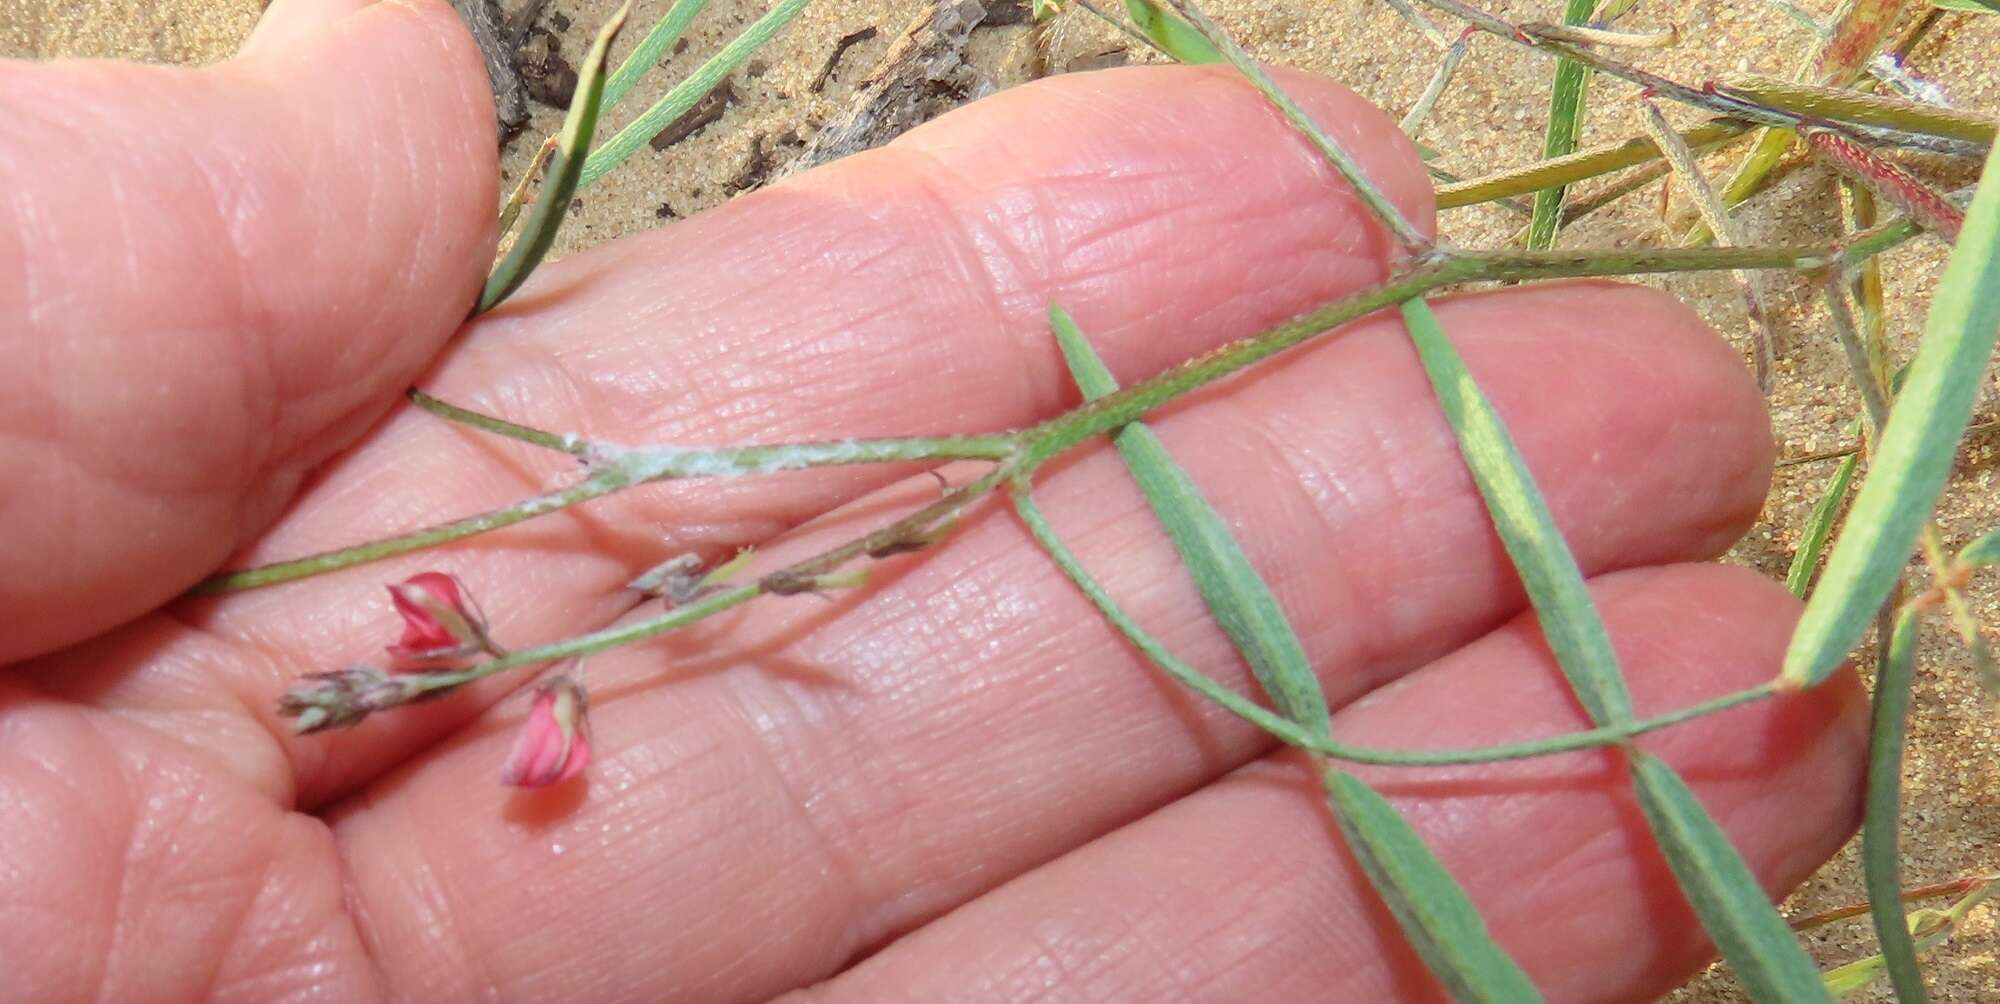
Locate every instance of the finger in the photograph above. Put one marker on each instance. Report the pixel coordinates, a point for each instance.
(899, 292)
(1243, 891)
(817, 778)
(213, 279)
(288, 22)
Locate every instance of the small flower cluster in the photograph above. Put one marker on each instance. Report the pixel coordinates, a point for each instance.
(442, 630)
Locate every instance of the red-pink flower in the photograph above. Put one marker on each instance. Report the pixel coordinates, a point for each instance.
(439, 625)
(554, 744)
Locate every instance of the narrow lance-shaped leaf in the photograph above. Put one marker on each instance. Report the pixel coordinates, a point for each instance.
(1917, 447)
(1236, 595)
(1548, 571)
(1174, 36)
(1758, 945)
(672, 104)
(1436, 916)
(1731, 905)
(1065, 559)
(1879, 861)
(538, 234)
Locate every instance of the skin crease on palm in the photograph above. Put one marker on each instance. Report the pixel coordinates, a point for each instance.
(955, 784)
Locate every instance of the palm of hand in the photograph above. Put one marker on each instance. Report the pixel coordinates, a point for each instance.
(960, 774)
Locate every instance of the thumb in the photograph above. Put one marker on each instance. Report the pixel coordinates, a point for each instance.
(212, 279)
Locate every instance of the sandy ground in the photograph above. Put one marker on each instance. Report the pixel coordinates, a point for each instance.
(1491, 117)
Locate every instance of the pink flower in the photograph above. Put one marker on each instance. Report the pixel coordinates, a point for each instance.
(438, 624)
(554, 744)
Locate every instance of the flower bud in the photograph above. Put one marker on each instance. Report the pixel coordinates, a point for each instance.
(439, 625)
(343, 697)
(554, 743)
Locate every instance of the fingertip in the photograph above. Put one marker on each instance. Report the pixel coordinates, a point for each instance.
(285, 22)
(1662, 357)
(1144, 118)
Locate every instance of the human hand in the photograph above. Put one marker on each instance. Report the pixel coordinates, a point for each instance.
(957, 783)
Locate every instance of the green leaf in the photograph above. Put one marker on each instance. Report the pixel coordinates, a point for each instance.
(1174, 36)
(647, 53)
(1879, 861)
(1982, 552)
(682, 97)
(1969, 6)
(1854, 976)
(1725, 895)
(538, 234)
(1548, 571)
(1819, 526)
(1565, 124)
(1065, 559)
(1917, 446)
(1433, 911)
(1236, 595)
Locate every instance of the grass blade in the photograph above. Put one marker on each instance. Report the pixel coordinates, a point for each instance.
(647, 53)
(1819, 527)
(1236, 595)
(566, 164)
(672, 104)
(1174, 36)
(1433, 911)
(1917, 447)
(1565, 124)
(1758, 945)
(1879, 860)
(1548, 571)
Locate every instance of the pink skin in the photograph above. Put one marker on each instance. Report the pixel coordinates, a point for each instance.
(960, 774)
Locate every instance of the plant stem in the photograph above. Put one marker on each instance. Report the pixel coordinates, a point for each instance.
(1377, 202)
(1021, 453)
(498, 426)
(444, 533)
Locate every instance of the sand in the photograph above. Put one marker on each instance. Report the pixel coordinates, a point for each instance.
(1491, 117)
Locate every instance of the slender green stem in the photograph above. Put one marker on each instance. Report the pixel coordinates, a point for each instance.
(498, 426)
(1293, 734)
(1880, 863)
(444, 533)
(1350, 169)
(1021, 453)
(598, 641)
(1874, 400)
